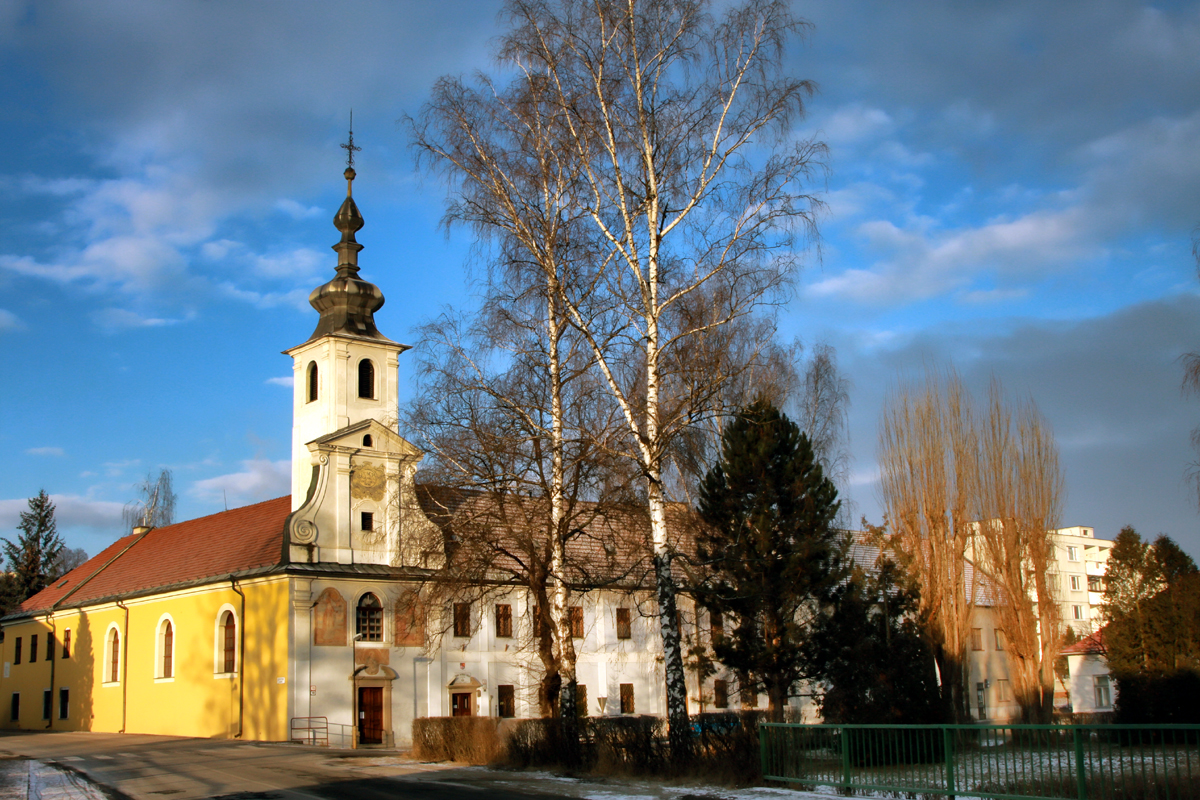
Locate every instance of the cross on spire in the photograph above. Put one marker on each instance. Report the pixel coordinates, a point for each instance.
(349, 145)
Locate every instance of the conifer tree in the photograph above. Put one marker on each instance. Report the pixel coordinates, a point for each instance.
(769, 547)
(32, 558)
(869, 653)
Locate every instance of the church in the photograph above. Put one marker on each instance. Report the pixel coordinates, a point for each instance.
(302, 617)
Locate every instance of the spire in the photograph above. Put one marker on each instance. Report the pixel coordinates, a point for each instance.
(347, 303)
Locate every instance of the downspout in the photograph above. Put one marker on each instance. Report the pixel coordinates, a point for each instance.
(124, 667)
(241, 659)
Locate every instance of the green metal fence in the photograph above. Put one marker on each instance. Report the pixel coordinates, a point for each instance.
(1007, 762)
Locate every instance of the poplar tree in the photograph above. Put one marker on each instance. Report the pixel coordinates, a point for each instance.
(769, 547)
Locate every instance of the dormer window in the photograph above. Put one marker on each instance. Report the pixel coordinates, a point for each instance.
(312, 381)
(367, 442)
(366, 379)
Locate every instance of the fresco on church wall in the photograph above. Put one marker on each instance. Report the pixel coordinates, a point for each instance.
(329, 619)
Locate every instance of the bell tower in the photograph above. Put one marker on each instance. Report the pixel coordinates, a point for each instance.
(353, 491)
(347, 370)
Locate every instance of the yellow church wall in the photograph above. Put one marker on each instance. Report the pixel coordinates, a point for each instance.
(197, 699)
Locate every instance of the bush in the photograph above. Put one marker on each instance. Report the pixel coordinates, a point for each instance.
(1158, 698)
(472, 740)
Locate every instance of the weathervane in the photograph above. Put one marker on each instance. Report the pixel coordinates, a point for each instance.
(349, 146)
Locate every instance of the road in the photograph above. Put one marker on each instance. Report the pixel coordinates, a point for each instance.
(47, 766)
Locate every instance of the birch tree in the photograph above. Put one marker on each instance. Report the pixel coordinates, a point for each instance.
(513, 181)
(694, 187)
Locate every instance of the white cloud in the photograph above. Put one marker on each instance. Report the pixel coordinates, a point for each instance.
(296, 210)
(925, 262)
(259, 479)
(69, 511)
(116, 318)
(46, 451)
(9, 321)
(114, 469)
(287, 381)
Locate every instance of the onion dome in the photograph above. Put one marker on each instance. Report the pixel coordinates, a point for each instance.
(347, 303)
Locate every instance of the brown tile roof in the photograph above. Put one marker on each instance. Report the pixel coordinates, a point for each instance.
(207, 548)
(609, 544)
(1090, 645)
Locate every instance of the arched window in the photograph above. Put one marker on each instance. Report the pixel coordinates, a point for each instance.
(369, 620)
(366, 379)
(367, 441)
(228, 642)
(312, 381)
(112, 664)
(165, 649)
(168, 655)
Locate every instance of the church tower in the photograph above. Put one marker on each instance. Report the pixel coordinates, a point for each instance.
(353, 498)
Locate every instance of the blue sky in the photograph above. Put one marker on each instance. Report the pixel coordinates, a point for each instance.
(1013, 188)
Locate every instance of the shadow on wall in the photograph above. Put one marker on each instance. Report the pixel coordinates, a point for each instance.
(82, 680)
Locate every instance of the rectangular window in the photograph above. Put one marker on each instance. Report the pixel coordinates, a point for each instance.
(462, 620)
(1076, 583)
(999, 640)
(504, 621)
(1077, 612)
(15, 711)
(506, 701)
(716, 625)
(64, 703)
(47, 701)
(624, 624)
(977, 638)
(748, 695)
(1103, 691)
(720, 694)
(1004, 691)
(50, 646)
(1072, 553)
(626, 698)
(581, 708)
(1094, 584)
(33, 648)
(17, 651)
(66, 650)
(368, 521)
(575, 620)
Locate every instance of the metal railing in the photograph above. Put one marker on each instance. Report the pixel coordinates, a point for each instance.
(1006, 762)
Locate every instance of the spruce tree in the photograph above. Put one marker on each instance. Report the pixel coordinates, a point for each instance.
(869, 654)
(768, 547)
(32, 558)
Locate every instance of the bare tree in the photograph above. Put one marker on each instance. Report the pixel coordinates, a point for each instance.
(155, 504)
(485, 414)
(500, 149)
(1018, 499)
(693, 184)
(928, 460)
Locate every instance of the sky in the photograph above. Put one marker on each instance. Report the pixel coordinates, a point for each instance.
(1012, 189)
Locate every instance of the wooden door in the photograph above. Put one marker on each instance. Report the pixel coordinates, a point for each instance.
(460, 704)
(370, 715)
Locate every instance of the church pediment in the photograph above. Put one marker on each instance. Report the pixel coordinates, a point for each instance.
(367, 435)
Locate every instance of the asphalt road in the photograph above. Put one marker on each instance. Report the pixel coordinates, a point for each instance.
(48, 766)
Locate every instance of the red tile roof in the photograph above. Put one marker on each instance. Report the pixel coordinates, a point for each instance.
(207, 548)
(1090, 645)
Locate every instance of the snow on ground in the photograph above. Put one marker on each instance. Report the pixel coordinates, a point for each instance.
(22, 779)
